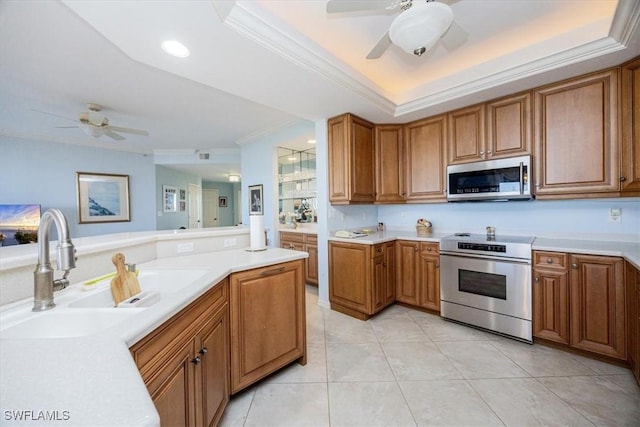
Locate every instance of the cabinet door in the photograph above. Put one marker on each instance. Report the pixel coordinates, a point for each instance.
(425, 160)
(576, 139)
(390, 272)
(406, 271)
(509, 126)
(633, 319)
(598, 305)
(172, 389)
(466, 134)
(350, 282)
(551, 305)
(338, 159)
(379, 279)
(389, 164)
(268, 325)
(630, 177)
(429, 278)
(311, 263)
(351, 160)
(212, 380)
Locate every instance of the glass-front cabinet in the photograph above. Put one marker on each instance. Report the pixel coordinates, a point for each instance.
(297, 193)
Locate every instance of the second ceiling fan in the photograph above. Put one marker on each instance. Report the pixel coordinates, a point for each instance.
(420, 25)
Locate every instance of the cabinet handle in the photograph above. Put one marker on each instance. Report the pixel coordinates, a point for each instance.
(203, 351)
(574, 266)
(195, 360)
(437, 265)
(416, 249)
(623, 179)
(481, 153)
(537, 279)
(428, 249)
(379, 250)
(549, 261)
(489, 152)
(273, 271)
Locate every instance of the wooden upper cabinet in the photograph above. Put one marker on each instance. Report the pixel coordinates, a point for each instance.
(508, 126)
(466, 134)
(351, 160)
(425, 160)
(630, 176)
(576, 136)
(389, 172)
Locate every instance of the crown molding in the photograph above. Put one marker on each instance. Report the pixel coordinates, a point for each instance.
(246, 20)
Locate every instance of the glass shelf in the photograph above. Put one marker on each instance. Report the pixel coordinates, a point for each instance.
(297, 182)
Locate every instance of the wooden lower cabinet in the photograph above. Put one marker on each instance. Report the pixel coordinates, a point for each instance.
(551, 297)
(633, 309)
(361, 278)
(418, 274)
(304, 242)
(268, 321)
(185, 362)
(590, 313)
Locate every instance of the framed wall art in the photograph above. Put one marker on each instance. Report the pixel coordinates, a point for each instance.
(102, 197)
(169, 198)
(222, 201)
(255, 200)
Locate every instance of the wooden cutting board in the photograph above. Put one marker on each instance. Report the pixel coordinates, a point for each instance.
(125, 283)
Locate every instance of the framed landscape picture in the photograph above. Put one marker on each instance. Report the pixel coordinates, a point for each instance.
(102, 197)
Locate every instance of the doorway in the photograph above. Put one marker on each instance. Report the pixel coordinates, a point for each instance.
(210, 212)
(195, 203)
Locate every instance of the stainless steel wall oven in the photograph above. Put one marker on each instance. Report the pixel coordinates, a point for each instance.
(486, 282)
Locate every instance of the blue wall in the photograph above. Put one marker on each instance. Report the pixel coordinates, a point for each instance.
(226, 216)
(180, 180)
(45, 173)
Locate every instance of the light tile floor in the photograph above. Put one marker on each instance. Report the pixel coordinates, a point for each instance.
(406, 368)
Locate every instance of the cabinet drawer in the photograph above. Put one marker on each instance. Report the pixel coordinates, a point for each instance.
(152, 351)
(430, 248)
(377, 250)
(292, 237)
(312, 239)
(552, 260)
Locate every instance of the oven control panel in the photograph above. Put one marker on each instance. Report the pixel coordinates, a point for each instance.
(482, 247)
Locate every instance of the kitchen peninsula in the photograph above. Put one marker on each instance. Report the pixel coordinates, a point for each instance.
(60, 371)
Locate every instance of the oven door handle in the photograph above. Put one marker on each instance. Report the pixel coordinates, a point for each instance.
(485, 257)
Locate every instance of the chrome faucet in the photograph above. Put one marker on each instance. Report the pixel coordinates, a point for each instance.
(44, 285)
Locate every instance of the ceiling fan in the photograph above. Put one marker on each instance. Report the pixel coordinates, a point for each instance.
(94, 123)
(420, 25)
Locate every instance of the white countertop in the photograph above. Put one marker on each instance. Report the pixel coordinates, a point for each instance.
(628, 250)
(93, 380)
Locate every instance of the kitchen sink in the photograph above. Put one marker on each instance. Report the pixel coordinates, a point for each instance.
(153, 284)
(66, 324)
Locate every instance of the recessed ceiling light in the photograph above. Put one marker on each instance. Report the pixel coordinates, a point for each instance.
(311, 141)
(293, 159)
(175, 48)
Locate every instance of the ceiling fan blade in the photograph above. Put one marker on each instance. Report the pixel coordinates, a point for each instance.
(67, 127)
(129, 130)
(111, 134)
(380, 47)
(454, 37)
(52, 114)
(338, 6)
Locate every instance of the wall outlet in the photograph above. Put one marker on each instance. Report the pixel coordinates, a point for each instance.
(615, 215)
(185, 247)
(230, 242)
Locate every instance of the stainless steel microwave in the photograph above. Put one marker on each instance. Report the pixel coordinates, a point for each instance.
(501, 179)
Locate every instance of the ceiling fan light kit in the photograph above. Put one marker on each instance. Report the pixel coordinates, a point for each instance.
(420, 27)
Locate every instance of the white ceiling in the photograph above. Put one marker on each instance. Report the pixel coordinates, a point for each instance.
(259, 66)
